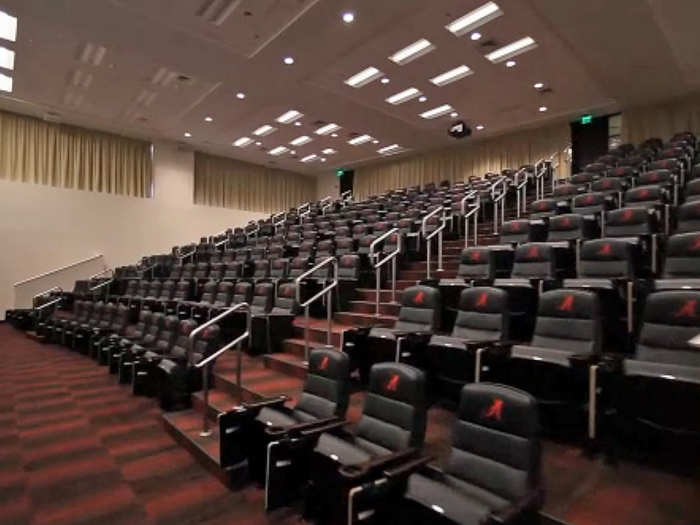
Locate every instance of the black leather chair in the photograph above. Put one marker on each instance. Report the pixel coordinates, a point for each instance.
(682, 263)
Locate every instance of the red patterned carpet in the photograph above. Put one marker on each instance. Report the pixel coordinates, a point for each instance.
(76, 448)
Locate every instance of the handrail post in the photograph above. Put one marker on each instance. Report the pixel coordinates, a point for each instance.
(325, 291)
(378, 278)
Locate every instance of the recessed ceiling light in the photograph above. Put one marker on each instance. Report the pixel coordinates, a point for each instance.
(451, 76)
(208, 119)
(334, 135)
(328, 128)
(403, 96)
(258, 143)
(263, 130)
(390, 150)
(323, 159)
(240, 95)
(297, 123)
(454, 114)
(329, 151)
(479, 127)
(412, 51)
(511, 63)
(7, 58)
(422, 99)
(300, 141)
(437, 112)
(187, 134)
(474, 19)
(359, 140)
(364, 77)
(348, 17)
(289, 116)
(543, 109)
(310, 158)
(292, 152)
(278, 150)
(8, 27)
(375, 141)
(5, 83)
(288, 60)
(475, 35)
(538, 85)
(242, 142)
(385, 80)
(511, 50)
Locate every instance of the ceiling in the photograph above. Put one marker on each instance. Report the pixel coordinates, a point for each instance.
(155, 69)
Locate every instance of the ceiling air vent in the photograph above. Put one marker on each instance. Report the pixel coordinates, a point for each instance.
(489, 44)
(217, 11)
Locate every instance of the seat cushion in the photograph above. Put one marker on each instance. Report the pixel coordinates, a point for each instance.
(453, 499)
(538, 353)
(447, 341)
(382, 333)
(275, 418)
(342, 451)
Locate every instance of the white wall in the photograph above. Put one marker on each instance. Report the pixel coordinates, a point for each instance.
(327, 184)
(43, 227)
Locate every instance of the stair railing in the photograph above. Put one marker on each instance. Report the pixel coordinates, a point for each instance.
(45, 292)
(327, 291)
(206, 431)
(253, 232)
(279, 220)
(105, 285)
(474, 212)
(346, 197)
(150, 269)
(429, 236)
(325, 203)
(521, 191)
(540, 172)
(188, 255)
(223, 242)
(373, 255)
(499, 203)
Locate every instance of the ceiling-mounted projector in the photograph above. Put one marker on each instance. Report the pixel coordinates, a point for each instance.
(459, 130)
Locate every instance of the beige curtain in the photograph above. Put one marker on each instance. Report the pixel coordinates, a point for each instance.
(39, 152)
(229, 183)
(474, 159)
(661, 120)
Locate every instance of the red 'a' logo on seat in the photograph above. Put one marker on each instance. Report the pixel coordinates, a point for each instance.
(288, 291)
(607, 183)
(495, 410)
(696, 245)
(393, 383)
(643, 194)
(653, 176)
(533, 252)
(627, 215)
(481, 301)
(324, 363)
(687, 310)
(605, 249)
(589, 198)
(542, 205)
(566, 222)
(418, 299)
(475, 256)
(515, 226)
(567, 304)
(260, 290)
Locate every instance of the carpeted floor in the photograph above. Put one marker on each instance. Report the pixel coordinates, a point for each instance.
(76, 448)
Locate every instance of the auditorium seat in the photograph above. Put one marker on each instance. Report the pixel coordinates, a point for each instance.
(145, 359)
(688, 216)
(681, 267)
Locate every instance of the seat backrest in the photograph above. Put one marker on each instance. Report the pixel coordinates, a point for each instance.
(181, 345)
(279, 268)
(629, 222)
(242, 292)
(543, 207)
(477, 264)
(261, 269)
(670, 320)
(648, 195)
(326, 390)
(363, 245)
(420, 309)
(298, 266)
(202, 270)
(157, 322)
(689, 217)
(394, 413)
(209, 292)
(534, 260)
(495, 441)
(607, 258)
(344, 245)
(349, 267)
(182, 290)
(659, 176)
(167, 290)
(692, 190)
(287, 298)
(590, 203)
(131, 287)
(224, 294)
(515, 231)
(263, 298)
(683, 256)
(482, 314)
(120, 319)
(107, 315)
(139, 329)
(143, 288)
(565, 191)
(566, 227)
(168, 334)
(569, 321)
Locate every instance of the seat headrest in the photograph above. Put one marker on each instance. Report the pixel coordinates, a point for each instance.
(589, 199)
(349, 261)
(398, 381)
(499, 407)
(516, 226)
(677, 307)
(475, 256)
(574, 304)
(689, 211)
(287, 290)
(329, 363)
(171, 322)
(242, 287)
(211, 332)
(485, 299)
(533, 252)
(627, 215)
(264, 288)
(569, 221)
(420, 297)
(187, 327)
(684, 245)
(606, 250)
(644, 193)
(543, 205)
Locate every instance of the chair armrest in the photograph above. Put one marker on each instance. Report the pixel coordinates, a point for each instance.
(611, 363)
(279, 432)
(583, 360)
(269, 402)
(316, 431)
(406, 469)
(353, 472)
(531, 501)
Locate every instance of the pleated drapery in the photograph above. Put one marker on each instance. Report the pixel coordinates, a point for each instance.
(661, 120)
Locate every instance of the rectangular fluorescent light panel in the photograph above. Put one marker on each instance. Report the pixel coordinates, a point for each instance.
(411, 52)
(474, 19)
(328, 128)
(310, 158)
(359, 140)
(8, 27)
(278, 150)
(300, 141)
(289, 116)
(437, 112)
(364, 77)
(7, 58)
(390, 150)
(511, 50)
(264, 130)
(329, 151)
(404, 96)
(5, 83)
(243, 142)
(451, 76)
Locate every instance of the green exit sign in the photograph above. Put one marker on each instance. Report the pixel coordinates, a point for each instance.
(339, 173)
(586, 119)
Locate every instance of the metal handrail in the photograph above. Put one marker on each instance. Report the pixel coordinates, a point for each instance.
(253, 232)
(325, 199)
(520, 188)
(50, 303)
(501, 198)
(325, 207)
(279, 219)
(223, 242)
(56, 270)
(306, 206)
(329, 303)
(304, 214)
(427, 238)
(102, 285)
(475, 212)
(48, 290)
(463, 202)
(100, 273)
(186, 255)
(346, 195)
(206, 432)
(378, 265)
(150, 269)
